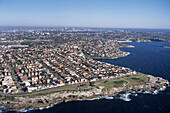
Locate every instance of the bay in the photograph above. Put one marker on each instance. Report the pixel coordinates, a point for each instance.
(150, 58)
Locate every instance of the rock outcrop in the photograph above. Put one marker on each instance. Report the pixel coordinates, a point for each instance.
(46, 100)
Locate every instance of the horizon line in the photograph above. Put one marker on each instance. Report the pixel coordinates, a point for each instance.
(80, 27)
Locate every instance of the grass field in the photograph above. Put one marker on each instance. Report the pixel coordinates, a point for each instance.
(112, 83)
(137, 79)
(131, 80)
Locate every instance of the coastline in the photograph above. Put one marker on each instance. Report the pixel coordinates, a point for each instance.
(124, 97)
(153, 86)
(48, 101)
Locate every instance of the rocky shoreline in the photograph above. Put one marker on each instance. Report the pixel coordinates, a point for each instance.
(40, 102)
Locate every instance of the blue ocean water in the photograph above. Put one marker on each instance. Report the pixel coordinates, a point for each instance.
(150, 58)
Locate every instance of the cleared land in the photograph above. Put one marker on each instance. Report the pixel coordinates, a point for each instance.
(138, 79)
(111, 83)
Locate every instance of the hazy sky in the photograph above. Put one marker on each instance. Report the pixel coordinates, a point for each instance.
(87, 13)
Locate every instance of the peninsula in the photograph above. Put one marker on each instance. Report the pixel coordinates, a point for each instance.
(49, 67)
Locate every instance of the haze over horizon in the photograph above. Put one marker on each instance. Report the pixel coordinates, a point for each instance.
(89, 13)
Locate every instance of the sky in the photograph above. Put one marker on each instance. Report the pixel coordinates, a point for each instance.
(86, 13)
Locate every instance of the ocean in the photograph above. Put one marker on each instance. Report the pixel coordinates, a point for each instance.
(149, 58)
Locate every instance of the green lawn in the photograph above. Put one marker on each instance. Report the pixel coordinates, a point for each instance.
(133, 80)
(137, 79)
(112, 83)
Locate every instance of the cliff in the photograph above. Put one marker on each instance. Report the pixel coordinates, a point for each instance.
(21, 102)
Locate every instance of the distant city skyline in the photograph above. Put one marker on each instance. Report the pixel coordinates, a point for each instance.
(88, 13)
